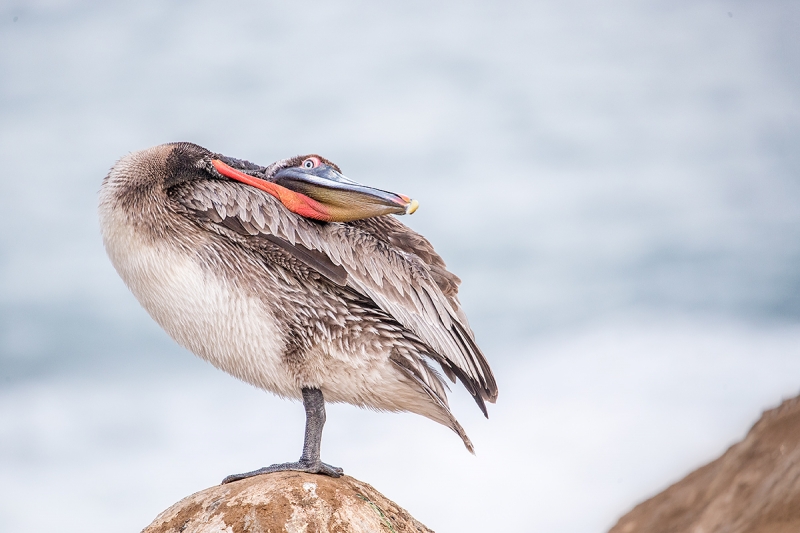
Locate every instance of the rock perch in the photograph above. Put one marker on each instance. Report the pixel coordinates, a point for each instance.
(287, 502)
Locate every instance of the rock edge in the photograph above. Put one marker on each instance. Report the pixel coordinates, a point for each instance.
(754, 487)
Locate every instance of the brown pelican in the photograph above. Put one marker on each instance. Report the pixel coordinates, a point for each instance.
(295, 279)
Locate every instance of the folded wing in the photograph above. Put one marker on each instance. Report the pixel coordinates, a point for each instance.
(379, 258)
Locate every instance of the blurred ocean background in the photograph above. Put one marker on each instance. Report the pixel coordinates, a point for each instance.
(617, 184)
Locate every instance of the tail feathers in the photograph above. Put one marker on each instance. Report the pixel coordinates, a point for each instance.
(441, 412)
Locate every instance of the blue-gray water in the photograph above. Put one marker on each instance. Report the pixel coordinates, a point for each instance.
(617, 184)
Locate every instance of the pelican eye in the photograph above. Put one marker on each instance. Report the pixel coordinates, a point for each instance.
(309, 163)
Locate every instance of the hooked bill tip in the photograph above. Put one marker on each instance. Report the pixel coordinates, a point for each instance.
(411, 207)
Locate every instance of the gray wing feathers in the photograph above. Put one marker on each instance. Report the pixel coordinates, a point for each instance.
(380, 258)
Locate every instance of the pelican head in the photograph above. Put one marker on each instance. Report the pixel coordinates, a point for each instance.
(308, 185)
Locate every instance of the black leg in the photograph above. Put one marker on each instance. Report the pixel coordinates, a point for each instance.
(309, 461)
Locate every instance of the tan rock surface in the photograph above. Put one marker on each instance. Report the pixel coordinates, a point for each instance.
(753, 488)
(287, 502)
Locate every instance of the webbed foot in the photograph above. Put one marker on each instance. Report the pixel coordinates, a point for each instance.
(317, 467)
